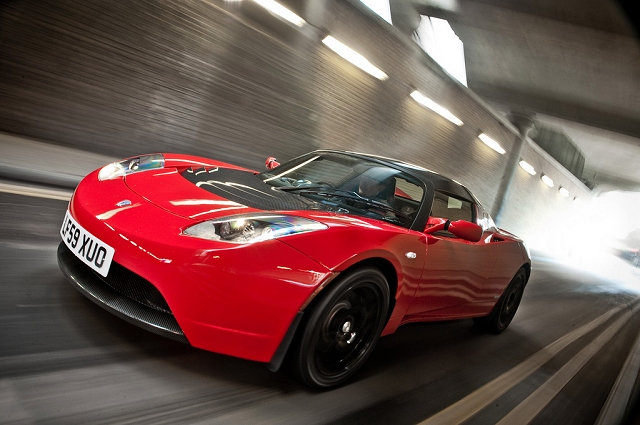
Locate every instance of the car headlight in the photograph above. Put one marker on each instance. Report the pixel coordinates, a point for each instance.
(130, 166)
(250, 228)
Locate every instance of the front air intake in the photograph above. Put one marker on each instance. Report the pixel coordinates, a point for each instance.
(123, 293)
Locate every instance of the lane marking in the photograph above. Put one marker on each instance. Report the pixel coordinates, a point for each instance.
(529, 408)
(614, 408)
(29, 361)
(38, 192)
(34, 246)
(468, 406)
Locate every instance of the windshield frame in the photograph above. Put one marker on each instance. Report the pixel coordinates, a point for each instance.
(419, 217)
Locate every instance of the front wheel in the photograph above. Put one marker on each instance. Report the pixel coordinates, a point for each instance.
(342, 328)
(507, 305)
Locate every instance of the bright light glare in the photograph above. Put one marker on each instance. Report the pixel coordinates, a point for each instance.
(428, 103)
(111, 171)
(437, 38)
(572, 237)
(547, 180)
(451, 49)
(277, 9)
(564, 192)
(292, 169)
(354, 57)
(380, 7)
(492, 143)
(528, 168)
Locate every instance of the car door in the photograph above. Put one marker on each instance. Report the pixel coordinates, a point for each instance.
(456, 271)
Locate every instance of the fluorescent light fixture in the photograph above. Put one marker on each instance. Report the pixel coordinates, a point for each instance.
(528, 167)
(354, 57)
(547, 180)
(428, 103)
(491, 143)
(278, 9)
(564, 192)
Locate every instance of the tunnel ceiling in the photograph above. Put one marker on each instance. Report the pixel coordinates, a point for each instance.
(574, 63)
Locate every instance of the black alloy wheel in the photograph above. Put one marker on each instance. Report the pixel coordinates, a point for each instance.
(342, 328)
(507, 305)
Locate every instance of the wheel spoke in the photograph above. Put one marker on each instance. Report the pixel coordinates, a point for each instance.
(341, 344)
(343, 327)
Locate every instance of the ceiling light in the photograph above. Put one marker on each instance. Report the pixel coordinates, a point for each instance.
(528, 167)
(492, 143)
(354, 57)
(564, 192)
(428, 103)
(547, 180)
(278, 9)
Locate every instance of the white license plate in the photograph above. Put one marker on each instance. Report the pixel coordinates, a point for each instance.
(91, 250)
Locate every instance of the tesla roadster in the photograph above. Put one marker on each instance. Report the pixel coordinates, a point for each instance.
(312, 260)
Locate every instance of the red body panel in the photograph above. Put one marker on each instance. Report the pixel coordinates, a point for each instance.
(237, 299)
(240, 299)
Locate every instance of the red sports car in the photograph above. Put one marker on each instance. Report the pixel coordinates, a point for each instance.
(313, 259)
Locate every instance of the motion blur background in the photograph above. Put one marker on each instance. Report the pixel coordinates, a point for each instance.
(534, 105)
(555, 84)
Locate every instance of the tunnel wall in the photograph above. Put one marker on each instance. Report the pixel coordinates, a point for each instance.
(227, 80)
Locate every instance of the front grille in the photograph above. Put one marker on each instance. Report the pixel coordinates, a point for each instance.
(124, 294)
(135, 287)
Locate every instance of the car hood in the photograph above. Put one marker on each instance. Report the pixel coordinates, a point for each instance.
(199, 193)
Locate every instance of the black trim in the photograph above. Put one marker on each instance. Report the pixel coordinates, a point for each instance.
(430, 180)
(93, 287)
(281, 352)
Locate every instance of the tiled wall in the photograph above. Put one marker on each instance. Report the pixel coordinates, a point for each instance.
(227, 80)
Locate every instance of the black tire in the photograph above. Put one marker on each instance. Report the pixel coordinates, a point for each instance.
(342, 328)
(507, 305)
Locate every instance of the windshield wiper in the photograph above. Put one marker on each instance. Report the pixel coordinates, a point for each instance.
(341, 193)
(303, 188)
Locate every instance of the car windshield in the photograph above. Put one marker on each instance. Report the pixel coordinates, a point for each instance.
(352, 185)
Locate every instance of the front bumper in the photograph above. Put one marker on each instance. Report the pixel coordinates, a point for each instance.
(234, 299)
(135, 299)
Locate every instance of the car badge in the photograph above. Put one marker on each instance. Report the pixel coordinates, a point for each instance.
(123, 203)
(411, 255)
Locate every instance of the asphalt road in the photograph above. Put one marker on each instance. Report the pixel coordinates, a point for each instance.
(63, 360)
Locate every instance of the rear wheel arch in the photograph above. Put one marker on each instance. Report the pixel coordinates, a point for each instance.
(506, 307)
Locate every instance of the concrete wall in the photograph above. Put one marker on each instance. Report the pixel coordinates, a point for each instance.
(228, 80)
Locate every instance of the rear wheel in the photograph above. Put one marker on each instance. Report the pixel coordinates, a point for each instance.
(342, 328)
(507, 305)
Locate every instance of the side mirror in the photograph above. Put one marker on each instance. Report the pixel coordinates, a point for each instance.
(463, 229)
(271, 163)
